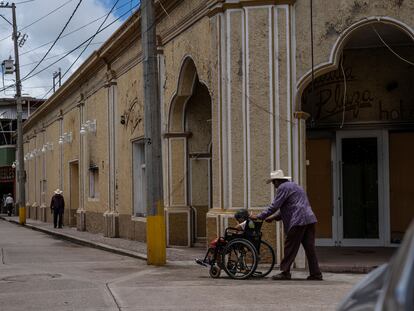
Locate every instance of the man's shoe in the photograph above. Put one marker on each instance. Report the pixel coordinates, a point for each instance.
(317, 277)
(283, 276)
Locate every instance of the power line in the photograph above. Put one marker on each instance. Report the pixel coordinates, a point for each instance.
(51, 47)
(39, 19)
(44, 16)
(54, 56)
(87, 45)
(93, 37)
(36, 87)
(10, 23)
(71, 32)
(68, 53)
(21, 2)
(391, 50)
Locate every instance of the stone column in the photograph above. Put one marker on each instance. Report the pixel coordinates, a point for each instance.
(301, 117)
(43, 206)
(111, 216)
(178, 213)
(83, 170)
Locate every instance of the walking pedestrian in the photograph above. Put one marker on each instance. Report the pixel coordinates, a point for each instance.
(9, 202)
(298, 223)
(57, 206)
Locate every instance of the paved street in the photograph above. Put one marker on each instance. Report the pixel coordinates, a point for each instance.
(39, 272)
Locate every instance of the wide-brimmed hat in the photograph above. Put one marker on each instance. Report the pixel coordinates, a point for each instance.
(278, 174)
(58, 191)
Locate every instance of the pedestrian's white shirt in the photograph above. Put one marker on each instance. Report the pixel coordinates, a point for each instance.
(9, 200)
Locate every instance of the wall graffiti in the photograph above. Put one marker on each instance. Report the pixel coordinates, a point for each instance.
(334, 77)
(366, 99)
(404, 111)
(330, 101)
(134, 114)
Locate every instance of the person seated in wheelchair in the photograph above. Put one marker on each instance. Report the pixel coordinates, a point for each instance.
(244, 226)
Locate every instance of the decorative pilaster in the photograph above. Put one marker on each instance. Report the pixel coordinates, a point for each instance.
(43, 206)
(300, 261)
(80, 212)
(302, 116)
(111, 216)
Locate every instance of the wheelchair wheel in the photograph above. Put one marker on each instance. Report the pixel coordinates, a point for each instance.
(239, 259)
(215, 272)
(265, 260)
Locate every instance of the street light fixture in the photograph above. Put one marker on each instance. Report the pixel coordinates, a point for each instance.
(88, 126)
(65, 138)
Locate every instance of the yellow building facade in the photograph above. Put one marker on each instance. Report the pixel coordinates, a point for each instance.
(235, 79)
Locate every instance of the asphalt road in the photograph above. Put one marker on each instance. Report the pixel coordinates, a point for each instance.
(39, 272)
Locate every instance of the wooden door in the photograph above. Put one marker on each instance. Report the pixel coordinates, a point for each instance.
(319, 184)
(401, 146)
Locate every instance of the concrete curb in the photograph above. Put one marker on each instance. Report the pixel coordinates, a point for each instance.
(81, 241)
(348, 269)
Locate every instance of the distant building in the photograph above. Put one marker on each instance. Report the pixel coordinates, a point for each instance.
(8, 125)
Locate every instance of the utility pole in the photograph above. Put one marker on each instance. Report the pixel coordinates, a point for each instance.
(156, 244)
(21, 173)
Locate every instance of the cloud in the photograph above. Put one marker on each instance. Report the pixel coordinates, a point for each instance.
(48, 29)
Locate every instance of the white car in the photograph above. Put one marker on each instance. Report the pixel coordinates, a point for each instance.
(390, 287)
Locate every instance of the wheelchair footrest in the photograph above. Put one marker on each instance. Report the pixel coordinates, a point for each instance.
(201, 262)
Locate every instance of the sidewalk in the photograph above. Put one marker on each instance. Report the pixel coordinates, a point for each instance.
(120, 246)
(331, 259)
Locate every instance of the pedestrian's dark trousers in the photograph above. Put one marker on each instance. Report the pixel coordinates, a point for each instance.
(57, 218)
(297, 235)
(9, 208)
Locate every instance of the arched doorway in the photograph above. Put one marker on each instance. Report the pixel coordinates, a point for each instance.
(360, 138)
(189, 159)
(198, 123)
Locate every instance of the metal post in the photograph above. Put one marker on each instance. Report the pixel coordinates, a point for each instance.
(21, 173)
(57, 74)
(60, 77)
(156, 244)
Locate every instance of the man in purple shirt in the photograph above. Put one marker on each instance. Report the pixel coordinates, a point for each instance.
(291, 205)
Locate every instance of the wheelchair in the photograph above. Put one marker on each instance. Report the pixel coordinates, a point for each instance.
(241, 254)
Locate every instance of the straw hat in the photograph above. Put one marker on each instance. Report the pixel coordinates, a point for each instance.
(278, 174)
(58, 191)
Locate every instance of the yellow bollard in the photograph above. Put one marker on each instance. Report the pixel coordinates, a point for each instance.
(22, 215)
(156, 243)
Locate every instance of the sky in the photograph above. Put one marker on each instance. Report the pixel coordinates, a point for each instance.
(40, 37)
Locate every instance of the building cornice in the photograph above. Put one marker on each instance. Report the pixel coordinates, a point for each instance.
(220, 6)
